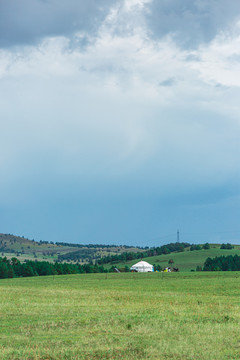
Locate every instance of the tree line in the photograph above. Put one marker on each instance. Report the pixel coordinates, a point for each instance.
(128, 255)
(95, 246)
(14, 268)
(125, 256)
(199, 247)
(222, 263)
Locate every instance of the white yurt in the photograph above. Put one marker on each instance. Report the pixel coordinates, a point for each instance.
(142, 266)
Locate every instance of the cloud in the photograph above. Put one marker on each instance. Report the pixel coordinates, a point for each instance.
(168, 82)
(219, 61)
(29, 21)
(81, 107)
(130, 116)
(191, 22)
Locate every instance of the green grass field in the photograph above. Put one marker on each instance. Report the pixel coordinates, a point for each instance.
(121, 316)
(185, 261)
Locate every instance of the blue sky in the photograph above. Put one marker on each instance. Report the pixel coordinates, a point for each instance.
(120, 120)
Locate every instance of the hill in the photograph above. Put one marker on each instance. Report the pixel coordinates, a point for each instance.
(25, 249)
(185, 261)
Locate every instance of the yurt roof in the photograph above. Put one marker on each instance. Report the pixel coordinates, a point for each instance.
(142, 263)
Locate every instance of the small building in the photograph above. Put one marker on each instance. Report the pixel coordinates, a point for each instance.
(142, 266)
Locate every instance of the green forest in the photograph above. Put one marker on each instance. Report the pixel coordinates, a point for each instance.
(222, 263)
(14, 268)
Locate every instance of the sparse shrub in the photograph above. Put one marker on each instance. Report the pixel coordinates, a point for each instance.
(195, 247)
(206, 246)
(227, 246)
(158, 268)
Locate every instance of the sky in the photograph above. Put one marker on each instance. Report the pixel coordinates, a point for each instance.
(120, 120)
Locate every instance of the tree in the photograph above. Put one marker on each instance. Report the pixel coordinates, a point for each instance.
(181, 248)
(165, 250)
(195, 247)
(27, 270)
(158, 268)
(227, 246)
(206, 246)
(10, 272)
(3, 270)
(15, 261)
(222, 263)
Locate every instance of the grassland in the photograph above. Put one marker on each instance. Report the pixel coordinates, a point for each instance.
(121, 316)
(25, 249)
(185, 261)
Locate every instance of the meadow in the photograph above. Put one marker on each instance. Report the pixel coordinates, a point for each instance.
(185, 261)
(121, 316)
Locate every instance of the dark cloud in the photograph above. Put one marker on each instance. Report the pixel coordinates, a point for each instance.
(168, 82)
(191, 21)
(27, 21)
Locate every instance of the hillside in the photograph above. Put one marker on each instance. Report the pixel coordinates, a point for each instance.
(185, 261)
(25, 249)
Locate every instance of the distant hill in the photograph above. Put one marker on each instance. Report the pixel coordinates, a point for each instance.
(25, 249)
(185, 261)
(184, 258)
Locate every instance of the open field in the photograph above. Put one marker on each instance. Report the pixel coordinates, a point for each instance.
(121, 316)
(185, 261)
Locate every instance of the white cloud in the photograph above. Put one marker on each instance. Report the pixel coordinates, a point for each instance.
(219, 61)
(130, 4)
(101, 111)
(119, 124)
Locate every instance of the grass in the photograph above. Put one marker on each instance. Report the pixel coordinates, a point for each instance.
(121, 316)
(25, 249)
(185, 261)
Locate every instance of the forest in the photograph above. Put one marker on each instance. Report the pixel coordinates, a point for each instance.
(222, 263)
(14, 268)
